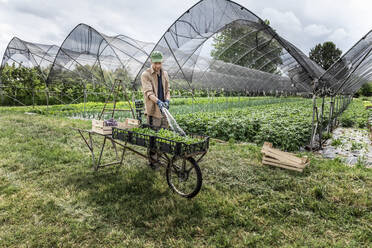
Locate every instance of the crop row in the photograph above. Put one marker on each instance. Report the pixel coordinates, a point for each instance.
(287, 126)
(91, 110)
(356, 115)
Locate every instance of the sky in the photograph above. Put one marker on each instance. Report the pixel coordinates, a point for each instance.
(304, 23)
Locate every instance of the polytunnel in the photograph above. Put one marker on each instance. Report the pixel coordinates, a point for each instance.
(29, 55)
(91, 59)
(219, 44)
(351, 71)
(216, 45)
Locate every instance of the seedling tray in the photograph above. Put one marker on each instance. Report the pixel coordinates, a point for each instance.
(162, 144)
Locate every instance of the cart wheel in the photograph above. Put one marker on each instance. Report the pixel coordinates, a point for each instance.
(184, 177)
(157, 158)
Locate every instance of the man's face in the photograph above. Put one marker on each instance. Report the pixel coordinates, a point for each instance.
(156, 66)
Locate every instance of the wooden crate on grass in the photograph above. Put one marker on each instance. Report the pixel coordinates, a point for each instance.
(285, 160)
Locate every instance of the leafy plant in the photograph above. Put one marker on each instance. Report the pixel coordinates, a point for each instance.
(356, 146)
(336, 142)
(356, 115)
(287, 126)
(167, 134)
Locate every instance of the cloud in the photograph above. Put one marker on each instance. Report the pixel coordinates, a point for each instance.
(282, 20)
(338, 34)
(47, 12)
(317, 30)
(5, 37)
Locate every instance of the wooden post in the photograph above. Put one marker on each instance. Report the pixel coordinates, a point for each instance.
(313, 122)
(47, 96)
(315, 82)
(1, 95)
(321, 123)
(330, 121)
(33, 98)
(1, 89)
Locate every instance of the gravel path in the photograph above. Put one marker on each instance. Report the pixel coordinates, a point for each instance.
(351, 145)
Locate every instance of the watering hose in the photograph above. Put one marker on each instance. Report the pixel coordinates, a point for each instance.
(172, 122)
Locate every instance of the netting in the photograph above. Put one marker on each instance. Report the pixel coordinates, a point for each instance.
(218, 44)
(24, 86)
(215, 45)
(93, 59)
(352, 70)
(30, 55)
(215, 49)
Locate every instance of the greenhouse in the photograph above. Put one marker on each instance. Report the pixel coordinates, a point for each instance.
(216, 48)
(216, 44)
(34, 56)
(202, 123)
(30, 55)
(98, 59)
(220, 44)
(352, 70)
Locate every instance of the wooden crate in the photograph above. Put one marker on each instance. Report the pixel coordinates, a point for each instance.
(130, 123)
(285, 160)
(98, 126)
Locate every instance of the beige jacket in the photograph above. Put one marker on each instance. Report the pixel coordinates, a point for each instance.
(149, 82)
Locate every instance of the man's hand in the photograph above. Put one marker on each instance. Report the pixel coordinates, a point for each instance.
(166, 103)
(161, 105)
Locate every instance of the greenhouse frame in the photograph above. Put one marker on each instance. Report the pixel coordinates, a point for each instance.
(215, 45)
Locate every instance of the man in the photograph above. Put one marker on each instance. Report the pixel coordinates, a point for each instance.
(155, 86)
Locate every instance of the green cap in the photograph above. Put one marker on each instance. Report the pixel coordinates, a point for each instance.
(156, 56)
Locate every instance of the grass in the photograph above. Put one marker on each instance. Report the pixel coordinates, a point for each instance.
(50, 197)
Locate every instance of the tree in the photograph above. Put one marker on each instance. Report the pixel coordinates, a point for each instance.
(366, 89)
(325, 54)
(21, 83)
(243, 45)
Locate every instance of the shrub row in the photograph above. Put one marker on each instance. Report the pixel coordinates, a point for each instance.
(356, 115)
(286, 126)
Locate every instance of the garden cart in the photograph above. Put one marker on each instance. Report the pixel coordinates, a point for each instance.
(179, 159)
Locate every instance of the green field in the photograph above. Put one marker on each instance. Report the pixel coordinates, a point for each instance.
(180, 105)
(50, 197)
(284, 121)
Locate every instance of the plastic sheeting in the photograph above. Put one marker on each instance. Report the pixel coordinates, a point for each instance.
(220, 44)
(351, 71)
(215, 45)
(91, 57)
(29, 54)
